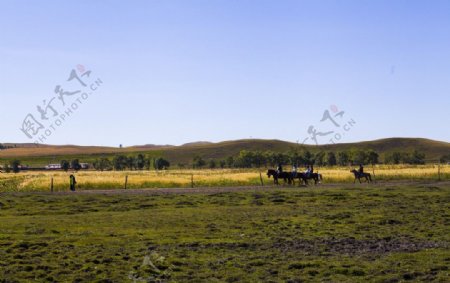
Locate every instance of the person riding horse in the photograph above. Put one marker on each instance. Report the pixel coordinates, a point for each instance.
(304, 177)
(361, 170)
(279, 168)
(309, 171)
(294, 171)
(286, 176)
(359, 174)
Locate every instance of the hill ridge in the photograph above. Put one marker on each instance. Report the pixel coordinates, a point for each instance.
(184, 154)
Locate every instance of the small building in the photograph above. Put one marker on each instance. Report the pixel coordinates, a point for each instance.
(53, 167)
(84, 165)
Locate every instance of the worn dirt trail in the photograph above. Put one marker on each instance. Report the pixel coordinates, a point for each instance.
(215, 190)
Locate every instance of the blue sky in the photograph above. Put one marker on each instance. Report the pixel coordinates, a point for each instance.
(181, 71)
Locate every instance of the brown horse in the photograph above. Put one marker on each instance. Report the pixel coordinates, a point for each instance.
(286, 176)
(359, 176)
(305, 177)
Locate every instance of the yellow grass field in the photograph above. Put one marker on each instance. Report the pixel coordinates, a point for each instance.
(40, 181)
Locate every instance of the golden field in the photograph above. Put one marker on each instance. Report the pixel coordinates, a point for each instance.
(40, 181)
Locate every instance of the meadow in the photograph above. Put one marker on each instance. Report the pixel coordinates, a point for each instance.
(92, 180)
(346, 233)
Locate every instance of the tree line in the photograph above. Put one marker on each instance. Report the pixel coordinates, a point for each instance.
(2, 146)
(14, 166)
(246, 159)
(396, 157)
(120, 163)
(123, 162)
(445, 158)
(257, 159)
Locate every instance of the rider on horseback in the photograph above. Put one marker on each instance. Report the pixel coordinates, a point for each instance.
(308, 170)
(294, 171)
(361, 170)
(279, 168)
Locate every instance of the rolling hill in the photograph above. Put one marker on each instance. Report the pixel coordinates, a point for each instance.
(44, 154)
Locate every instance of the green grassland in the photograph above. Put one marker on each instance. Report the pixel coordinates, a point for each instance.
(342, 234)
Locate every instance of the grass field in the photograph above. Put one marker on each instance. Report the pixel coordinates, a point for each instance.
(40, 181)
(348, 233)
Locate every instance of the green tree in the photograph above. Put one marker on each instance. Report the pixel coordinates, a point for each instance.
(65, 165)
(393, 158)
(161, 163)
(343, 158)
(230, 161)
(198, 162)
(308, 157)
(245, 159)
(120, 162)
(75, 164)
(139, 161)
(445, 158)
(331, 159)
(280, 158)
(148, 163)
(222, 163)
(358, 157)
(417, 157)
(15, 165)
(270, 158)
(130, 163)
(102, 164)
(294, 157)
(319, 158)
(212, 164)
(259, 159)
(372, 157)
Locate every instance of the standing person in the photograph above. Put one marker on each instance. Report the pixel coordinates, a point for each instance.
(312, 169)
(73, 182)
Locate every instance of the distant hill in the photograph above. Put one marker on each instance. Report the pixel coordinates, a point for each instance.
(197, 143)
(43, 154)
(432, 149)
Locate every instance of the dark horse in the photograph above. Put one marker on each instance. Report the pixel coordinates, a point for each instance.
(286, 176)
(313, 176)
(359, 176)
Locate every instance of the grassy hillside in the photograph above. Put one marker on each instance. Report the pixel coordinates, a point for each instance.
(44, 154)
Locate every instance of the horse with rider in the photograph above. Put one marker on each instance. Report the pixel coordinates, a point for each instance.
(360, 174)
(280, 174)
(289, 177)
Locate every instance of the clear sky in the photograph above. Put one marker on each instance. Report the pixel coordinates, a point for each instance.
(180, 71)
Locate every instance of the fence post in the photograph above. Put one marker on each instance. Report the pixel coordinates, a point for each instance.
(373, 171)
(126, 182)
(439, 170)
(51, 185)
(261, 179)
(192, 180)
